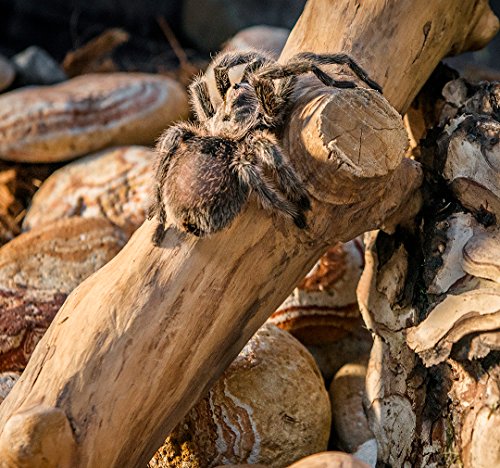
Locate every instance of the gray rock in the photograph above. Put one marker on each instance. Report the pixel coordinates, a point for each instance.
(62, 25)
(35, 66)
(7, 73)
(269, 38)
(7, 381)
(209, 23)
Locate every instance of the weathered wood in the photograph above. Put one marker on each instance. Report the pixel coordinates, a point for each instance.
(139, 342)
(432, 290)
(402, 43)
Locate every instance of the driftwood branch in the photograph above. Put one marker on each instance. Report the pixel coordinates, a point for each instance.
(136, 345)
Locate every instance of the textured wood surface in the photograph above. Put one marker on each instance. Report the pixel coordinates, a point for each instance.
(430, 293)
(139, 342)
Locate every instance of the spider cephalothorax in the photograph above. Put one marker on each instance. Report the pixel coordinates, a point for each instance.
(207, 169)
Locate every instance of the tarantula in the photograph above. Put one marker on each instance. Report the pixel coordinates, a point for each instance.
(206, 169)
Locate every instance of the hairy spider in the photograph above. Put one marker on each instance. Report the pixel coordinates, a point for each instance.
(206, 169)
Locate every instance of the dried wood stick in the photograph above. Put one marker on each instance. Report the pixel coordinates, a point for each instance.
(86, 59)
(140, 341)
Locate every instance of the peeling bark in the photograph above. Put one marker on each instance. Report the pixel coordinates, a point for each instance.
(433, 381)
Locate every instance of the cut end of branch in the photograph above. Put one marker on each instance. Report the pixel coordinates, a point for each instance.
(330, 123)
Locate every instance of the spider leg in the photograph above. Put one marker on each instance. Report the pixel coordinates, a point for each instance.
(253, 66)
(341, 59)
(275, 98)
(159, 210)
(308, 62)
(265, 147)
(299, 68)
(285, 88)
(228, 60)
(266, 94)
(251, 176)
(200, 99)
(166, 147)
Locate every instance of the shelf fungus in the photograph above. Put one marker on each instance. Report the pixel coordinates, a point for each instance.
(38, 270)
(87, 113)
(322, 311)
(113, 184)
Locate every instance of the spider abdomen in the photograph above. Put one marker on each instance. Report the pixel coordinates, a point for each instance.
(202, 190)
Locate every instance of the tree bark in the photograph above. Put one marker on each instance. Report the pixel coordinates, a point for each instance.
(430, 293)
(136, 345)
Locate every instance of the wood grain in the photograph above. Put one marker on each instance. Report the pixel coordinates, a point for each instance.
(195, 303)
